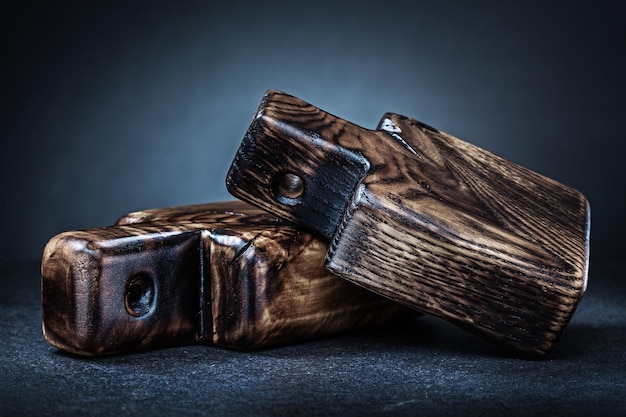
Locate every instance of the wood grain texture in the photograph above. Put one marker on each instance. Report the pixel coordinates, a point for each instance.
(224, 274)
(85, 281)
(425, 219)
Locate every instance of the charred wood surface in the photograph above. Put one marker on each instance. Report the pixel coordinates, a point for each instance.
(224, 274)
(424, 218)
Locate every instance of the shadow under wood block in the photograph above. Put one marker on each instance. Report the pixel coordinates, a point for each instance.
(222, 274)
(424, 218)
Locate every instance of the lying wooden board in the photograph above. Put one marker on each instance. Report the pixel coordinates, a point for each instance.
(223, 274)
(424, 218)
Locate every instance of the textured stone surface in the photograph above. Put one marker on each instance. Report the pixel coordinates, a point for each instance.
(424, 367)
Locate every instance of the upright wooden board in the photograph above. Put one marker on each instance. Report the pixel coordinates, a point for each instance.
(424, 218)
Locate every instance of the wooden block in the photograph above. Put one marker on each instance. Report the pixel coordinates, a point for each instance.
(223, 274)
(424, 218)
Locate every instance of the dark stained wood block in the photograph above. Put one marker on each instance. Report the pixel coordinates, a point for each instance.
(223, 274)
(424, 218)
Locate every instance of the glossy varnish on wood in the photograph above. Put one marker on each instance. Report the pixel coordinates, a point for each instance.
(224, 274)
(424, 218)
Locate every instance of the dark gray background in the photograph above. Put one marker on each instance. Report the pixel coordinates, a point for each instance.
(109, 109)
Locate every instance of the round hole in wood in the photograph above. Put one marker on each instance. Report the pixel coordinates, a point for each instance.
(290, 186)
(139, 298)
